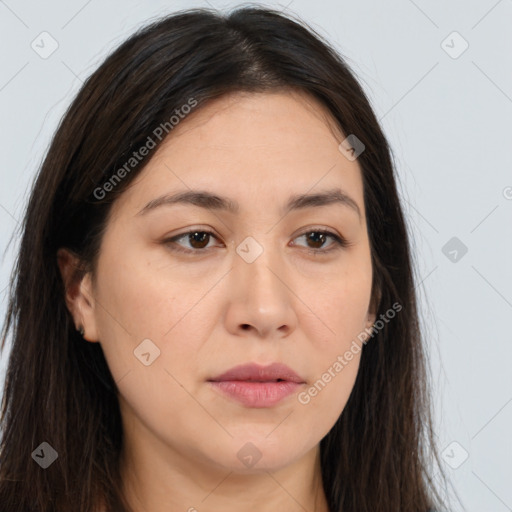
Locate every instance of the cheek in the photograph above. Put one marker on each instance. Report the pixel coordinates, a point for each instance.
(338, 306)
(341, 310)
(146, 297)
(143, 313)
(134, 303)
(325, 397)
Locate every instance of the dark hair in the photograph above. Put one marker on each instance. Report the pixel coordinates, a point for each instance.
(59, 389)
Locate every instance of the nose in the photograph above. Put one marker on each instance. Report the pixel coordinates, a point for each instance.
(262, 301)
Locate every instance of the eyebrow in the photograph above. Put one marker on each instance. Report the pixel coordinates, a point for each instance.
(210, 201)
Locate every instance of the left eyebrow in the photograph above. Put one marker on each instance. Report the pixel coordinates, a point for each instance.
(210, 201)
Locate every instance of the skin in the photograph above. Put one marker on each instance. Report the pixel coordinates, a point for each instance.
(207, 312)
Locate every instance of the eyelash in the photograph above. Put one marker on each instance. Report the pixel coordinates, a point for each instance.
(339, 241)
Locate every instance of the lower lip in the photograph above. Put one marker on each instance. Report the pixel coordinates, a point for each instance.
(257, 394)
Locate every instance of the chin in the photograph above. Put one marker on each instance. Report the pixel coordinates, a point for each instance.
(254, 454)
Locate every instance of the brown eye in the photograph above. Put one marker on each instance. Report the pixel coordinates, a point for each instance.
(316, 239)
(197, 241)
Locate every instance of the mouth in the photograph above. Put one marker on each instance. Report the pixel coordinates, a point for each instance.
(252, 372)
(257, 386)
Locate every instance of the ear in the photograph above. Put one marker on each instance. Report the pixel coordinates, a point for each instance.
(78, 293)
(372, 310)
(370, 319)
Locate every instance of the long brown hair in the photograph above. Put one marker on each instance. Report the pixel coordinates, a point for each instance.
(58, 389)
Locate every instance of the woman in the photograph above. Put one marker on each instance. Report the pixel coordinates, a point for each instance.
(213, 305)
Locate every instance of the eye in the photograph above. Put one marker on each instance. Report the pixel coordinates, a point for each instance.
(317, 238)
(198, 241)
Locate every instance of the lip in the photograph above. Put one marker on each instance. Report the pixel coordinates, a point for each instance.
(258, 386)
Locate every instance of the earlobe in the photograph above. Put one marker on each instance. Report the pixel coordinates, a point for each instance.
(371, 317)
(370, 322)
(87, 306)
(78, 297)
(373, 309)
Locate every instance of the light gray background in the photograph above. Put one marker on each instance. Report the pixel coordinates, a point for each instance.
(449, 123)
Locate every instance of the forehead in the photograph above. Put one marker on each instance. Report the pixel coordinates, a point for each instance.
(251, 144)
(274, 119)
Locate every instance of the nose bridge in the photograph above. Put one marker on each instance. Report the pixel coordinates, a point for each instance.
(258, 264)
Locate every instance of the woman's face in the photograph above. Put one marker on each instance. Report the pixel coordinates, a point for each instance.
(173, 311)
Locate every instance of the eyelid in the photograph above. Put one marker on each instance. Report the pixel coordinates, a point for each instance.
(178, 248)
(339, 241)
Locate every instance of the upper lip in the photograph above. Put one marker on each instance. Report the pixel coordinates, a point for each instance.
(256, 373)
